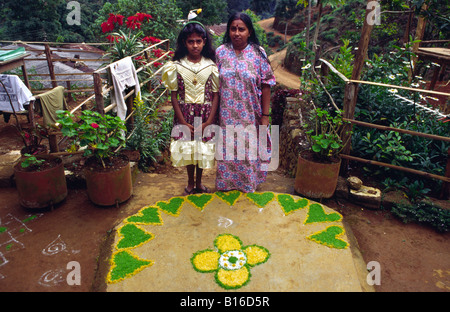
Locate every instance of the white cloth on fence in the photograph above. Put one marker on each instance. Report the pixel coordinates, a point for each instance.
(18, 92)
(123, 74)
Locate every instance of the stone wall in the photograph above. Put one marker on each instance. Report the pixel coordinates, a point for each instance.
(292, 136)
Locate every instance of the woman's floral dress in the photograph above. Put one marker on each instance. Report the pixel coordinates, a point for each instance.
(239, 167)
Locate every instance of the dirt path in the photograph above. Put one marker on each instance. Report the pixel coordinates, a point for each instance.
(283, 76)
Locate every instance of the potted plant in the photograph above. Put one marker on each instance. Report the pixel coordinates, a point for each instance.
(318, 167)
(107, 172)
(32, 139)
(40, 180)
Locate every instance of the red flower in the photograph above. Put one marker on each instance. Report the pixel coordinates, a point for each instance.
(143, 16)
(111, 18)
(157, 64)
(158, 52)
(150, 39)
(119, 19)
(107, 27)
(133, 22)
(94, 125)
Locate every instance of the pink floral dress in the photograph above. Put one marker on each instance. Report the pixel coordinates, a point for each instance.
(241, 77)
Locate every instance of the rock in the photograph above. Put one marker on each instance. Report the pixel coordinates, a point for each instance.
(366, 196)
(354, 182)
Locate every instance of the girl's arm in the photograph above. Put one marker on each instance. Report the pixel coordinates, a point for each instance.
(177, 110)
(214, 107)
(265, 103)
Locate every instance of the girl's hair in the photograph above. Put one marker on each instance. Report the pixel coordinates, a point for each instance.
(252, 40)
(189, 29)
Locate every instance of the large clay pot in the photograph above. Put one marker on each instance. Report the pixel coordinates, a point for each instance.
(109, 187)
(314, 179)
(40, 189)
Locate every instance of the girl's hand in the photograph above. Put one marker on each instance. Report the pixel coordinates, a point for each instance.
(191, 127)
(202, 127)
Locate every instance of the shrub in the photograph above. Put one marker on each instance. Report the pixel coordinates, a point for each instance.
(424, 212)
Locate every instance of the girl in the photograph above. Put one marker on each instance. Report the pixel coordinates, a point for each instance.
(193, 79)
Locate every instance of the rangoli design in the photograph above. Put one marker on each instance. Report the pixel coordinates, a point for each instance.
(230, 260)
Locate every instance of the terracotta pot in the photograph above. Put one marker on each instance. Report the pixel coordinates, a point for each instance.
(39, 189)
(111, 187)
(314, 179)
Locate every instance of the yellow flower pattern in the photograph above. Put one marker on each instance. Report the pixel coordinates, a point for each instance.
(230, 261)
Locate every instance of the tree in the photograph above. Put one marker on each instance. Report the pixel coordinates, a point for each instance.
(286, 10)
(263, 8)
(237, 6)
(36, 20)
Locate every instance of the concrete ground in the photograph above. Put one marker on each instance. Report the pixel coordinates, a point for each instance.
(295, 264)
(36, 259)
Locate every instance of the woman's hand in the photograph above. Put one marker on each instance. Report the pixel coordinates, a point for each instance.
(265, 120)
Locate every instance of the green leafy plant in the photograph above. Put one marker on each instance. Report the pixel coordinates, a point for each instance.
(424, 212)
(31, 160)
(126, 43)
(151, 133)
(325, 133)
(100, 134)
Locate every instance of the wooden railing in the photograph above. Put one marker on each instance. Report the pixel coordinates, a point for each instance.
(49, 50)
(351, 97)
(101, 86)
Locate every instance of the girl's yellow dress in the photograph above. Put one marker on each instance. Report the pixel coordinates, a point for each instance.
(195, 83)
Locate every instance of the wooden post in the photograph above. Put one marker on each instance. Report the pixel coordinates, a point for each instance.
(48, 56)
(25, 75)
(149, 84)
(99, 103)
(351, 89)
(69, 94)
(53, 143)
(445, 193)
(420, 30)
(129, 103)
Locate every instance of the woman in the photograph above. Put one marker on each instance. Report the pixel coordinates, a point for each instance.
(245, 80)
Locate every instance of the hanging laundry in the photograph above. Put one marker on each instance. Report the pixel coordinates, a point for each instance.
(18, 92)
(123, 75)
(52, 101)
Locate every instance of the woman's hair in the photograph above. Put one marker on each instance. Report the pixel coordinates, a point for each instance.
(248, 22)
(252, 40)
(189, 29)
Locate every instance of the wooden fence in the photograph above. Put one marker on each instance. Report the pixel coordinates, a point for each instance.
(350, 85)
(101, 85)
(50, 52)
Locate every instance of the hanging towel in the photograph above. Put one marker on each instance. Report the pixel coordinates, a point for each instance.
(18, 92)
(51, 101)
(123, 75)
(8, 55)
